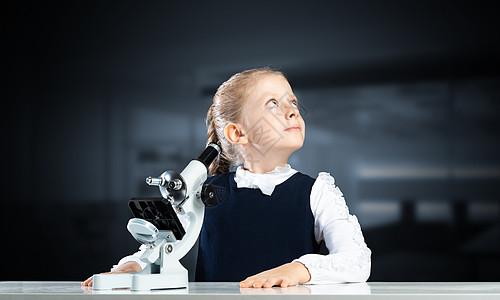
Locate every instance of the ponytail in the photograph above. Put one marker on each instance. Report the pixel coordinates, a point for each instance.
(221, 164)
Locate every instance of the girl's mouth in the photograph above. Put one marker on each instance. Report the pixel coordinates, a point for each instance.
(293, 128)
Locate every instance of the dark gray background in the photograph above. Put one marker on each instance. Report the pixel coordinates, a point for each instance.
(400, 99)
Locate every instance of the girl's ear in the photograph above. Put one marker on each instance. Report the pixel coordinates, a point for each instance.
(234, 133)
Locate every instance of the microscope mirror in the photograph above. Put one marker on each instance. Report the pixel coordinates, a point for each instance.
(143, 231)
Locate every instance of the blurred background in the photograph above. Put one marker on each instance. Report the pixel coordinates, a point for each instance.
(400, 98)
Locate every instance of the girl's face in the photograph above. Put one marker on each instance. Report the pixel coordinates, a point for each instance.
(271, 117)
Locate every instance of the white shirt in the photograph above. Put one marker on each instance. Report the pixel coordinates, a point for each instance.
(349, 258)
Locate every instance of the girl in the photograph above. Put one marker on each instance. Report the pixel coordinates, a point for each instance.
(268, 228)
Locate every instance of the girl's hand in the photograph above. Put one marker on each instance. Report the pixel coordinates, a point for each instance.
(129, 267)
(286, 275)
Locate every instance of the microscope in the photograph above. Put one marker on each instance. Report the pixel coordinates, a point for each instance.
(157, 226)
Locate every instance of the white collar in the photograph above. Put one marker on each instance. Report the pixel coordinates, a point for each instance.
(265, 182)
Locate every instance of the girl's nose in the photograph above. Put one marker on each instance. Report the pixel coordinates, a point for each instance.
(291, 111)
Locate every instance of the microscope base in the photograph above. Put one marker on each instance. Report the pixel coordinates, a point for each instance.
(159, 281)
(176, 277)
(140, 282)
(112, 281)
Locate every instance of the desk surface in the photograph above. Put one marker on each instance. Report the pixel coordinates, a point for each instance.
(231, 290)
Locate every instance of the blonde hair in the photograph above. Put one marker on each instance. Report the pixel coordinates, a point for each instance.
(226, 108)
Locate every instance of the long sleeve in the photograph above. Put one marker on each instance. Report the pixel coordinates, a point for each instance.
(349, 258)
(134, 257)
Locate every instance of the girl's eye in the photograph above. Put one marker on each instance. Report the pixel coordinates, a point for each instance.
(272, 103)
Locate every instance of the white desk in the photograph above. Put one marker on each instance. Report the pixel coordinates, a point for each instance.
(231, 290)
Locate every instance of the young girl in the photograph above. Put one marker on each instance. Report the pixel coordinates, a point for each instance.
(268, 227)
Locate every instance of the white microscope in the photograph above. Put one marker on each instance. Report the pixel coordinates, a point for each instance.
(157, 226)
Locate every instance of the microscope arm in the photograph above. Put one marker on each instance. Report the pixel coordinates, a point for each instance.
(194, 175)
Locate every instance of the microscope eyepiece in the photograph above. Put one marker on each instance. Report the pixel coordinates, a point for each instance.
(209, 154)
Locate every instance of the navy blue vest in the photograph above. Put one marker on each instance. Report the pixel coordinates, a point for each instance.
(250, 232)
